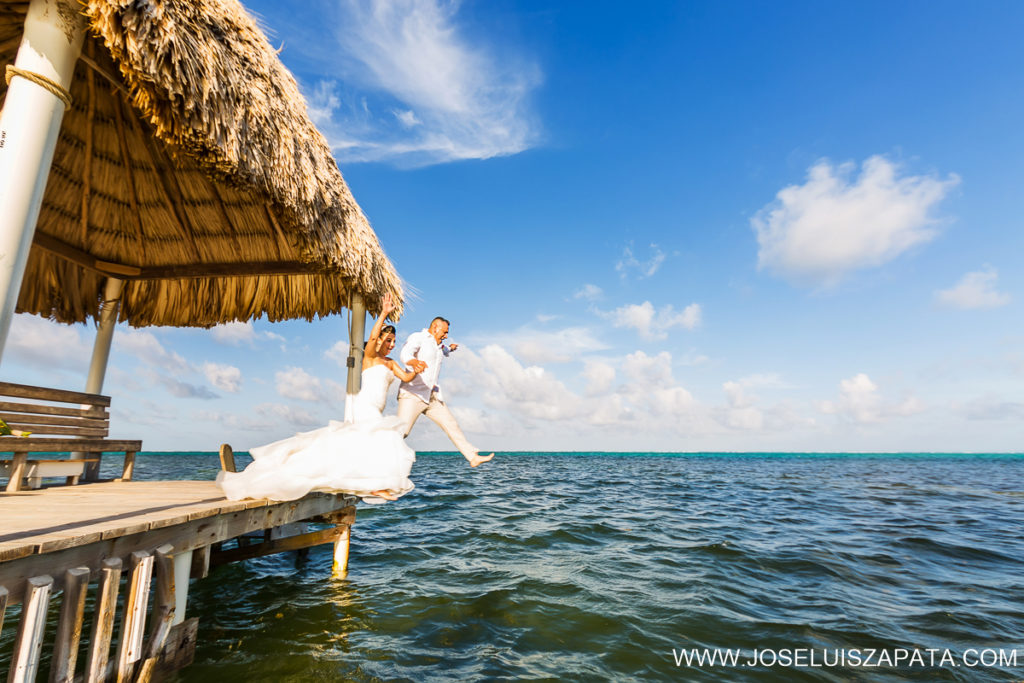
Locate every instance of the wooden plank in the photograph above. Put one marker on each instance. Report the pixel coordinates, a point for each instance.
(15, 549)
(46, 394)
(180, 649)
(134, 616)
(46, 445)
(227, 458)
(29, 641)
(35, 419)
(280, 545)
(103, 622)
(163, 612)
(34, 429)
(90, 413)
(69, 626)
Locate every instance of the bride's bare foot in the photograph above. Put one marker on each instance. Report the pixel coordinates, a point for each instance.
(480, 459)
(386, 495)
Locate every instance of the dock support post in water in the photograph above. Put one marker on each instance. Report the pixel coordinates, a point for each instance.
(340, 567)
(356, 334)
(37, 97)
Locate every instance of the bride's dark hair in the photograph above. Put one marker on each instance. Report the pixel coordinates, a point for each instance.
(384, 330)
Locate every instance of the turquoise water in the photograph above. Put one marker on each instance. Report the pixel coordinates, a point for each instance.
(590, 566)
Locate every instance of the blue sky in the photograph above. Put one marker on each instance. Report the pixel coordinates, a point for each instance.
(672, 226)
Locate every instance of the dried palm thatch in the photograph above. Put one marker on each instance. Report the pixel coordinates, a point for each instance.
(188, 166)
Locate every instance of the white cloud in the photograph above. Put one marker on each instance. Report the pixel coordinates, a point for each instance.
(860, 401)
(531, 390)
(741, 413)
(339, 353)
(599, 376)
(833, 224)
(290, 414)
(540, 346)
(295, 382)
(236, 334)
(225, 377)
(38, 342)
(588, 292)
(975, 290)
(653, 324)
(441, 95)
(629, 262)
(147, 348)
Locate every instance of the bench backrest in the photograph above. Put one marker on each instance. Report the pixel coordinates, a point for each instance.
(46, 412)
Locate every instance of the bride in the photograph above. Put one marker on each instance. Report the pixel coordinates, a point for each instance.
(367, 457)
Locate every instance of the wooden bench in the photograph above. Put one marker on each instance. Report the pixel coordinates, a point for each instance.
(43, 411)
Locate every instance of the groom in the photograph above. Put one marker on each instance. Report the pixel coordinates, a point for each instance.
(422, 396)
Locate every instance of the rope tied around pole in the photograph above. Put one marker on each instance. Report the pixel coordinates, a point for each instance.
(53, 86)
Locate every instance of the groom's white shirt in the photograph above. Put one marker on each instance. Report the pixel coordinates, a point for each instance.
(422, 346)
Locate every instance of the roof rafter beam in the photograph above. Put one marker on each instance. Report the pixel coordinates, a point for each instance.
(182, 272)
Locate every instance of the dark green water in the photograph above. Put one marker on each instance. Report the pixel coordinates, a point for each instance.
(600, 566)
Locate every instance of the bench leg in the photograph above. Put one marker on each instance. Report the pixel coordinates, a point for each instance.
(92, 469)
(17, 472)
(129, 466)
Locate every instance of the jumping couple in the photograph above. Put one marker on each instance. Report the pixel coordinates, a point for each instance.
(368, 456)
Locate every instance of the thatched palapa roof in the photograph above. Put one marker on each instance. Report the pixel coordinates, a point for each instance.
(188, 166)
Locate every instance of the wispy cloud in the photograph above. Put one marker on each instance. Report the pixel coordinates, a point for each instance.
(588, 292)
(419, 90)
(652, 324)
(833, 224)
(147, 348)
(974, 290)
(629, 263)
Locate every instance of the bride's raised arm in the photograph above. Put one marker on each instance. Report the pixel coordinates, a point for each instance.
(370, 352)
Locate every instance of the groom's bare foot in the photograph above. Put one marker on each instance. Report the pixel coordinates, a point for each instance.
(480, 459)
(386, 495)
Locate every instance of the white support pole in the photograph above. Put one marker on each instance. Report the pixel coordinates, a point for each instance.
(339, 567)
(356, 337)
(101, 347)
(182, 571)
(104, 335)
(29, 125)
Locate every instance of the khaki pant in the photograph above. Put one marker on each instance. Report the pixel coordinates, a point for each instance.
(411, 407)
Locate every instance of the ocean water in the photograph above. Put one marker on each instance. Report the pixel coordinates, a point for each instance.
(591, 566)
(616, 567)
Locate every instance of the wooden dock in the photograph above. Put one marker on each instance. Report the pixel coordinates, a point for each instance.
(160, 533)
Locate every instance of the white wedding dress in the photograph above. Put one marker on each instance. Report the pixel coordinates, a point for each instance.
(357, 457)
